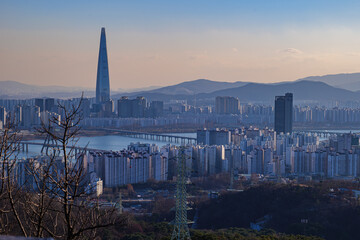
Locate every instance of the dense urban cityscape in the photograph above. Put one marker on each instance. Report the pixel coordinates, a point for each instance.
(196, 160)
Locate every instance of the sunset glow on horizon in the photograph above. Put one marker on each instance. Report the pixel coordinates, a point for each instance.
(159, 43)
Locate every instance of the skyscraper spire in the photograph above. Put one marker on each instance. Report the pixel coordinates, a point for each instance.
(102, 79)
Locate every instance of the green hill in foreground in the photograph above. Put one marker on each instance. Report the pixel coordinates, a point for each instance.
(291, 209)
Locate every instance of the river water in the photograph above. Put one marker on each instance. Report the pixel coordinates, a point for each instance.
(117, 142)
(108, 142)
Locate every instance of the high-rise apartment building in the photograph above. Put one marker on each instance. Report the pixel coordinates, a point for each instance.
(102, 79)
(156, 108)
(227, 105)
(18, 115)
(284, 113)
(2, 116)
(138, 107)
(132, 107)
(124, 107)
(213, 137)
(40, 103)
(108, 108)
(49, 104)
(26, 116)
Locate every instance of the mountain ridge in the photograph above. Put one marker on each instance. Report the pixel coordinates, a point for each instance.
(309, 88)
(349, 81)
(194, 87)
(303, 90)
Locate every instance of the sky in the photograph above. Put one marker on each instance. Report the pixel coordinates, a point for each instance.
(162, 42)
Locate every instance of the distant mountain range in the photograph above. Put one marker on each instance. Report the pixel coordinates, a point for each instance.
(338, 87)
(196, 87)
(349, 81)
(303, 90)
(258, 92)
(17, 90)
(130, 90)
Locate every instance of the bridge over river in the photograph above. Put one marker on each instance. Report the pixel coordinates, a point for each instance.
(154, 136)
(47, 145)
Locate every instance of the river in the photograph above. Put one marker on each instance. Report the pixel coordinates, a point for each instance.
(107, 142)
(117, 142)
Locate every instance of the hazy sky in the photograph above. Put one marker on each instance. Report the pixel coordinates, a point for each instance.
(167, 42)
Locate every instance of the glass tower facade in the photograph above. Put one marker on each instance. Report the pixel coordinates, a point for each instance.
(284, 113)
(102, 79)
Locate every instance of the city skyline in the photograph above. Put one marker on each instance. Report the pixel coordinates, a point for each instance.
(162, 43)
(223, 119)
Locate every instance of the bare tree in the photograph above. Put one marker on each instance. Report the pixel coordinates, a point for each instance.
(53, 197)
(11, 217)
(77, 210)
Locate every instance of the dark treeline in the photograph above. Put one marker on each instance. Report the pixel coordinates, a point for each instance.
(144, 230)
(326, 209)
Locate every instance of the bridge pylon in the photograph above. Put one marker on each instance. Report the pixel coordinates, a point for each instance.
(49, 141)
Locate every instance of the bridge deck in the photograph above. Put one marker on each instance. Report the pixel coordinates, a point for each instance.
(154, 136)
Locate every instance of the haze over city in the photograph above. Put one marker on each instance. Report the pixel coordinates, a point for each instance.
(159, 43)
(180, 120)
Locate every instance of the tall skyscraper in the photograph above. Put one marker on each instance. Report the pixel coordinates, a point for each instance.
(102, 79)
(284, 113)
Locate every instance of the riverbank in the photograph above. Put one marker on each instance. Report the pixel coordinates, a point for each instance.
(95, 132)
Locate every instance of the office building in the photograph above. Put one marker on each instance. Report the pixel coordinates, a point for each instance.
(102, 79)
(284, 113)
